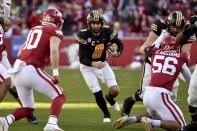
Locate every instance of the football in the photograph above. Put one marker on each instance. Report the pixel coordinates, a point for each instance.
(113, 47)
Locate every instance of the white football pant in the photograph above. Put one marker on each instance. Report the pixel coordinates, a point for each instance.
(5, 62)
(29, 78)
(91, 76)
(192, 99)
(159, 105)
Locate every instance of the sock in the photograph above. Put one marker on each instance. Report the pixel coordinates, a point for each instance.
(57, 104)
(101, 103)
(52, 120)
(156, 123)
(132, 120)
(193, 112)
(110, 99)
(22, 112)
(128, 104)
(10, 119)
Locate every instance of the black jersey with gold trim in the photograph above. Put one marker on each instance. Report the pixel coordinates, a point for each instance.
(93, 48)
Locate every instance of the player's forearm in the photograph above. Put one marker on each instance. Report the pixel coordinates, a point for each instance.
(54, 58)
(83, 56)
(181, 39)
(186, 73)
(151, 38)
(20, 50)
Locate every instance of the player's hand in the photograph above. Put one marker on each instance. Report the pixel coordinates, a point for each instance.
(56, 79)
(112, 52)
(98, 64)
(148, 50)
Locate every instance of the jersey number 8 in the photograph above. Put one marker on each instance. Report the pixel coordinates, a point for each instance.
(98, 51)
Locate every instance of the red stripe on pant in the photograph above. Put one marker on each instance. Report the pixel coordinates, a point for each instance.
(170, 109)
(51, 83)
(51, 79)
(175, 110)
(1, 76)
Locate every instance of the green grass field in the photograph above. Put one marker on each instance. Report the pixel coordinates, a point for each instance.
(80, 112)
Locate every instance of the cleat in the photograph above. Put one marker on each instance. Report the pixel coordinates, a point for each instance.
(189, 127)
(3, 124)
(51, 127)
(121, 122)
(116, 107)
(32, 119)
(106, 120)
(147, 123)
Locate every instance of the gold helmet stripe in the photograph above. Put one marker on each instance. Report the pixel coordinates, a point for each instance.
(96, 15)
(178, 23)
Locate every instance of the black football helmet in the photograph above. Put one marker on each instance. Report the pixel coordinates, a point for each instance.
(175, 19)
(95, 17)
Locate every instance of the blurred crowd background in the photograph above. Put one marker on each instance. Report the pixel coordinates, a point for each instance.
(128, 17)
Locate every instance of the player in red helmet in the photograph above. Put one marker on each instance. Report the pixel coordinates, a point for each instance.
(40, 47)
(166, 64)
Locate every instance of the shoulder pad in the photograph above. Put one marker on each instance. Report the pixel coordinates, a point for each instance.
(162, 21)
(83, 30)
(106, 26)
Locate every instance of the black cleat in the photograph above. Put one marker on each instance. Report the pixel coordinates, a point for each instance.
(32, 119)
(189, 127)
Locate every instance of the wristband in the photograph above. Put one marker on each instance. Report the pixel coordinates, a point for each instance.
(55, 72)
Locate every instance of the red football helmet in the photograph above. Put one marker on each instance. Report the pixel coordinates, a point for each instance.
(52, 16)
(169, 44)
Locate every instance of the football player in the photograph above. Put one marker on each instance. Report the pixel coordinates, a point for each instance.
(166, 63)
(93, 47)
(41, 45)
(174, 23)
(182, 37)
(8, 84)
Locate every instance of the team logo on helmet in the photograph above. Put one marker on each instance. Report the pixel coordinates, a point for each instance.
(52, 16)
(169, 44)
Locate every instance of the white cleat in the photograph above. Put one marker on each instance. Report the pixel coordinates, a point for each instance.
(147, 123)
(51, 127)
(120, 122)
(106, 120)
(3, 124)
(116, 107)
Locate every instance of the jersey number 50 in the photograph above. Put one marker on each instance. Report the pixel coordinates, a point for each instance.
(33, 39)
(166, 68)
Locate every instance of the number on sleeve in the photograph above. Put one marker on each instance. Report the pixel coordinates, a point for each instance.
(98, 51)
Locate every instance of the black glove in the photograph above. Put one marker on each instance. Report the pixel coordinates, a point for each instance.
(148, 50)
(190, 29)
(1, 20)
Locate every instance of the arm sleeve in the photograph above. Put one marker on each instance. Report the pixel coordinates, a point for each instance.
(186, 73)
(83, 57)
(157, 43)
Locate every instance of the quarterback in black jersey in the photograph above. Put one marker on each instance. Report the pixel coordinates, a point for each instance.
(189, 30)
(93, 50)
(174, 24)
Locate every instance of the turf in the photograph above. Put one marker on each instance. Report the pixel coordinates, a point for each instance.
(80, 112)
